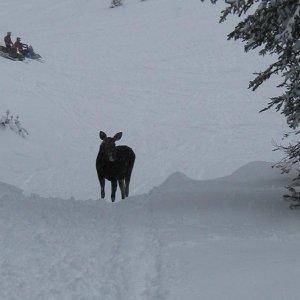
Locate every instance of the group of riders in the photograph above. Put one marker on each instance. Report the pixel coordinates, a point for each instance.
(17, 48)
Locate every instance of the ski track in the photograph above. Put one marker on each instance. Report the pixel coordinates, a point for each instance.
(155, 287)
(136, 268)
(136, 258)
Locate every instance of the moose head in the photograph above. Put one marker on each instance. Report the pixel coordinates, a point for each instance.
(108, 144)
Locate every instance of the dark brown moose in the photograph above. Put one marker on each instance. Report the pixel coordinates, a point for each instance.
(114, 163)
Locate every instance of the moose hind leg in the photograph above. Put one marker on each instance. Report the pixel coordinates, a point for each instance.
(114, 185)
(128, 176)
(122, 188)
(127, 182)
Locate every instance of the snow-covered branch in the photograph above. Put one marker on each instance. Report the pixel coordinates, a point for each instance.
(13, 122)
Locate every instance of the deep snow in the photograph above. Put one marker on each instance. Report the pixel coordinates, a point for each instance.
(228, 238)
(160, 71)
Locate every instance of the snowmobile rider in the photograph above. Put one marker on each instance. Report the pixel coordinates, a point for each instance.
(18, 45)
(8, 42)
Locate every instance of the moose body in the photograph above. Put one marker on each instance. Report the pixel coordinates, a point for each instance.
(114, 163)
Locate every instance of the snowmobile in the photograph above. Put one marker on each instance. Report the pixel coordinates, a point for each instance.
(13, 54)
(20, 55)
(28, 52)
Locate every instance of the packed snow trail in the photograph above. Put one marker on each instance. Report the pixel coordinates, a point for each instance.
(229, 238)
(160, 71)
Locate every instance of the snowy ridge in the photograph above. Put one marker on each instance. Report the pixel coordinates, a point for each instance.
(182, 240)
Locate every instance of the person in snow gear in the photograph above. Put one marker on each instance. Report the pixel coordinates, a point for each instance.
(24, 49)
(8, 42)
(17, 50)
(18, 45)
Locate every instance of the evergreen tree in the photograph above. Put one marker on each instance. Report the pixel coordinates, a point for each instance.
(115, 3)
(273, 26)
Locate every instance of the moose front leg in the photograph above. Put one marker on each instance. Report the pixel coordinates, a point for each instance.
(122, 188)
(102, 184)
(114, 185)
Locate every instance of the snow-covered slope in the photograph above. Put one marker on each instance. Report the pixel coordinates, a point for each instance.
(162, 72)
(186, 239)
(159, 70)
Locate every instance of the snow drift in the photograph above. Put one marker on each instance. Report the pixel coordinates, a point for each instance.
(213, 239)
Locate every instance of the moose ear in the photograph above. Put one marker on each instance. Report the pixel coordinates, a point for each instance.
(118, 136)
(102, 135)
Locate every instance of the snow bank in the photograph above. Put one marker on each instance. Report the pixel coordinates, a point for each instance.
(186, 239)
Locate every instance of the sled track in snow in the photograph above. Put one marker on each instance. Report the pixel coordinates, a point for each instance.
(115, 285)
(153, 254)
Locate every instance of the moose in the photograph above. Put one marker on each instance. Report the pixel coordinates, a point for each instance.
(114, 163)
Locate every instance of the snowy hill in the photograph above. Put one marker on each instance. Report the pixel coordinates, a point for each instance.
(186, 239)
(160, 71)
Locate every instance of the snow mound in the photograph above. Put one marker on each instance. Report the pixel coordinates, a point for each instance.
(186, 239)
(257, 171)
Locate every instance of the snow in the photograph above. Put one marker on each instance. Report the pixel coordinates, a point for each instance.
(186, 239)
(160, 71)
